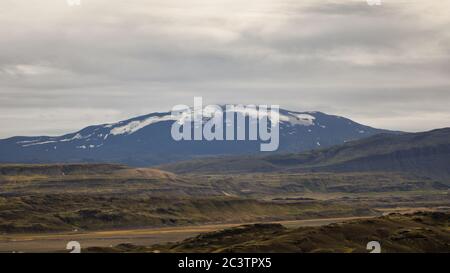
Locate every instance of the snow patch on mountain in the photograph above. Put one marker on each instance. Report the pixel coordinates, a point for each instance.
(137, 125)
(207, 113)
(27, 141)
(39, 143)
(299, 119)
(77, 136)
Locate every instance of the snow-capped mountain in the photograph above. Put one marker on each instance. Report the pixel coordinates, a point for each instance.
(147, 140)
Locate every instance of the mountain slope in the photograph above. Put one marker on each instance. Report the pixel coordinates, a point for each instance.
(147, 140)
(426, 153)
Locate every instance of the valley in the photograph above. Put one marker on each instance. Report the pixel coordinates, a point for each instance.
(107, 205)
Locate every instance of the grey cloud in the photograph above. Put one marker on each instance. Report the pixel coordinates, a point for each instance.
(129, 58)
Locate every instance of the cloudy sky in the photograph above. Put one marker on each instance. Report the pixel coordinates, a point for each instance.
(65, 67)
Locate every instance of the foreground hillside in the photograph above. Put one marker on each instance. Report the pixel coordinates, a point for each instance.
(425, 154)
(419, 232)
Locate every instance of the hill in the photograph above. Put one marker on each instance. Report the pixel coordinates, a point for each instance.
(420, 232)
(425, 153)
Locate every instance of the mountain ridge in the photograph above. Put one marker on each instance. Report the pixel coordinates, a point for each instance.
(146, 140)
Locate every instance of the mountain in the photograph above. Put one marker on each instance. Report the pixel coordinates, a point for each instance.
(425, 153)
(147, 140)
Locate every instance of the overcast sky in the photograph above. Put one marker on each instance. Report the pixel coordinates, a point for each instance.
(63, 68)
